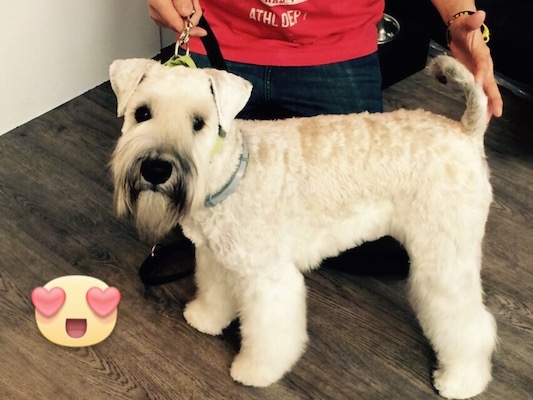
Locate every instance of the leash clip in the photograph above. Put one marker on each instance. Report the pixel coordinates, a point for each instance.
(154, 250)
(183, 40)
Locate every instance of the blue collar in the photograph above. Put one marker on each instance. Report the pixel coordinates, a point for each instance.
(214, 199)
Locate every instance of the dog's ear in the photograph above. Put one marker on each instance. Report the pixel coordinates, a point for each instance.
(125, 75)
(231, 94)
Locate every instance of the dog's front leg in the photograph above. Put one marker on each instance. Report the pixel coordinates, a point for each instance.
(214, 307)
(272, 314)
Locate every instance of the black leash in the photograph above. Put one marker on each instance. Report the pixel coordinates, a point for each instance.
(179, 251)
(212, 48)
(160, 255)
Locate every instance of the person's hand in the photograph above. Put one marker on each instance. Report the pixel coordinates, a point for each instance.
(173, 14)
(467, 46)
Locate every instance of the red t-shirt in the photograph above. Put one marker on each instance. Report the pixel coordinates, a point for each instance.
(292, 32)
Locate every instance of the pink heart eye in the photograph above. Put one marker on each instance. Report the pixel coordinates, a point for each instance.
(103, 302)
(47, 302)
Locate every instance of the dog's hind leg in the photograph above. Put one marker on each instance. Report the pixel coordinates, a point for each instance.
(214, 307)
(273, 325)
(446, 293)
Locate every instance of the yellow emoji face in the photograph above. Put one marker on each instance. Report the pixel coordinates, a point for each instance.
(75, 310)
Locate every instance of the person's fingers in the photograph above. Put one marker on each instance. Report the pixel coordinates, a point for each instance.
(468, 46)
(495, 98)
(174, 14)
(165, 15)
(197, 31)
(189, 10)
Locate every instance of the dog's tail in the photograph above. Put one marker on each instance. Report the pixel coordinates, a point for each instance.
(475, 117)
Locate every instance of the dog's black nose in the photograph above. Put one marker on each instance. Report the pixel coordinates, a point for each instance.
(156, 171)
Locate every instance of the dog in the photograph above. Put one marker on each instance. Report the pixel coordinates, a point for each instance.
(266, 201)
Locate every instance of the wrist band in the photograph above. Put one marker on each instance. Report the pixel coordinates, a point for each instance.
(459, 14)
(485, 33)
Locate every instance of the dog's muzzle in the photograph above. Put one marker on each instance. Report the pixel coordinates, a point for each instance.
(156, 171)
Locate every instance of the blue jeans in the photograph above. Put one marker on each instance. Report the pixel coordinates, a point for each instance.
(281, 92)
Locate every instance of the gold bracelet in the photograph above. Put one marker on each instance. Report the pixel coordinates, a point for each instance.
(485, 33)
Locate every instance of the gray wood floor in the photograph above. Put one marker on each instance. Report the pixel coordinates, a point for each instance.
(365, 343)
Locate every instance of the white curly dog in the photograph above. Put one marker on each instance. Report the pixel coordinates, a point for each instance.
(265, 201)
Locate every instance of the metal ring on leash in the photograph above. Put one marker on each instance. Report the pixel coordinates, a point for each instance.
(184, 38)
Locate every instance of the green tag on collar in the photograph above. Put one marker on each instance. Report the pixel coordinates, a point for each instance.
(218, 143)
(185, 61)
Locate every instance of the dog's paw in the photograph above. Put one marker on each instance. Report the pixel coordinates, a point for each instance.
(461, 382)
(250, 372)
(204, 318)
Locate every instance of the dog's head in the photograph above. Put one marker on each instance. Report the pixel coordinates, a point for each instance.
(172, 118)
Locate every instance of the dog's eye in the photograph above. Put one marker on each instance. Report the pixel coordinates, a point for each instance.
(197, 123)
(142, 114)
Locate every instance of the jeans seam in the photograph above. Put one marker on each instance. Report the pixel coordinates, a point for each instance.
(268, 84)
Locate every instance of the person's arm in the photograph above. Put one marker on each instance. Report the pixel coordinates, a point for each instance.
(467, 45)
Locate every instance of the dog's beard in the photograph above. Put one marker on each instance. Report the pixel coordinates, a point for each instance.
(155, 215)
(157, 209)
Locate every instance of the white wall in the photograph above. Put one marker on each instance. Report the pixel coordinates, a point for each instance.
(54, 50)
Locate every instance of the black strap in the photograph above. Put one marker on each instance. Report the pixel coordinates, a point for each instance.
(150, 271)
(211, 46)
(161, 254)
